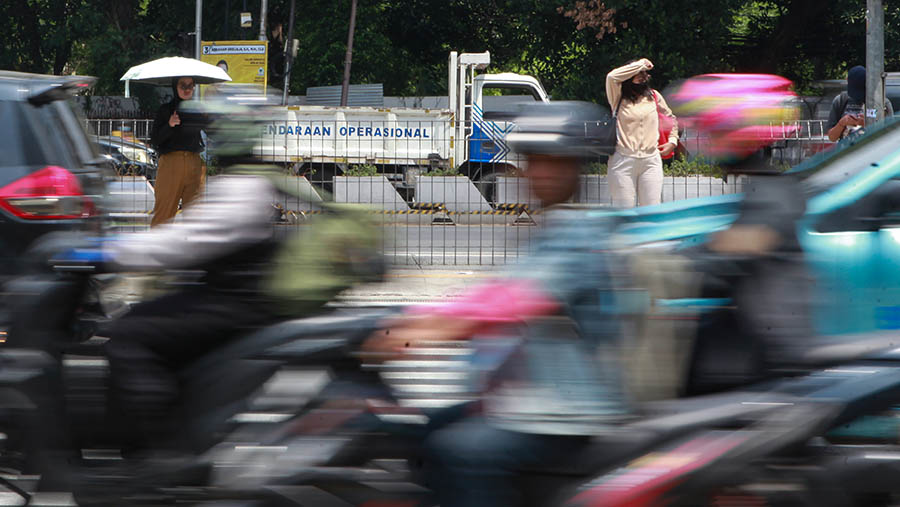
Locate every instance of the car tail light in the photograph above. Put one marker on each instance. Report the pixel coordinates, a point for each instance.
(52, 193)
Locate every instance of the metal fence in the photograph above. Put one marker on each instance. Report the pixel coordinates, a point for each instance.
(793, 142)
(125, 144)
(434, 207)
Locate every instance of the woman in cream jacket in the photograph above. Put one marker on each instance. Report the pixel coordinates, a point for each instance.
(635, 170)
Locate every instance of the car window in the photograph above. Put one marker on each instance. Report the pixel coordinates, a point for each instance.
(61, 149)
(866, 214)
(851, 159)
(53, 148)
(74, 130)
(886, 200)
(15, 137)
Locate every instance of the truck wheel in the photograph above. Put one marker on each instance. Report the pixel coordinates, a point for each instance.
(320, 175)
(325, 174)
(484, 176)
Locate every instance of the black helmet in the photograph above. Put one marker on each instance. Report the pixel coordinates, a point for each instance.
(233, 120)
(563, 128)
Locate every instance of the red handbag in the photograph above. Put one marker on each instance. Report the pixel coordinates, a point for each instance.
(665, 127)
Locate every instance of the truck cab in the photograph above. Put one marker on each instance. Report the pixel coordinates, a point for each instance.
(492, 118)
(487, 104)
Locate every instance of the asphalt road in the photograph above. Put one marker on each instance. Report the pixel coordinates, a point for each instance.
(430, 239)
(459, 245)
(440, 245)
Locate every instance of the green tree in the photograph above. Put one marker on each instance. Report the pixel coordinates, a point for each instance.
(800, 39)
(405, 44)
(681, 38)
(803, 40)
(569, 45)
(38, 35)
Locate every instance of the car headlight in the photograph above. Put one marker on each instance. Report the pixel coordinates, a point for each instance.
(653, 246)
(660, 246)
(141, 156)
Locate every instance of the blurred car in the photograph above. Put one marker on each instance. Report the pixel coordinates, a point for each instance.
(850, 232)
(51, 175)
(129, 157)
(125, 133)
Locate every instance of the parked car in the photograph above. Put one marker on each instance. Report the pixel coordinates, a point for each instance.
(129, 157)
(51, 174)
(850, 232)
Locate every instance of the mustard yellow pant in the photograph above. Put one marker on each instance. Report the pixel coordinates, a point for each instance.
(179, 179)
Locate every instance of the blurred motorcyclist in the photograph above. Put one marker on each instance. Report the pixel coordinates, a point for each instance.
(757, 262)
(562, 386)
(230, 236)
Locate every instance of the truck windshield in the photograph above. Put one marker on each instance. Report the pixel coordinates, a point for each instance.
(502, 102)
(517, 90)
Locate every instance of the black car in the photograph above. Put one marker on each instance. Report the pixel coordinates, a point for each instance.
(127, 157)
(51, 175)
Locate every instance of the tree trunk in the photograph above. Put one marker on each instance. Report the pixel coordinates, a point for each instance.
(30, 18)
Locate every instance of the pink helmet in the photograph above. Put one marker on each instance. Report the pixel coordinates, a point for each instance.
(740, 113)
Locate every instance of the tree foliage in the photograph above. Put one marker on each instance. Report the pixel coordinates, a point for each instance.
(593, 14)
(569, 45)
(38, 35)
(803, 40)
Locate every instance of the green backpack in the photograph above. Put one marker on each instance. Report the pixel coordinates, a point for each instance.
(333, 251)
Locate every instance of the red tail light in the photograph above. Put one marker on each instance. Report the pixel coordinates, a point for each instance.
(52, 193)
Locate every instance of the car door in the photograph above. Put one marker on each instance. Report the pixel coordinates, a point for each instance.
(72, 135)
(851, 237)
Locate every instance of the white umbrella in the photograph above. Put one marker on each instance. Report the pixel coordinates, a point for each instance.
(162, 70)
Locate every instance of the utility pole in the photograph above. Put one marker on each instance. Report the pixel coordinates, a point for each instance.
(244, 32)
(262, 21)
(288, 56)
(345, 87)
(874, 61)
(227, 16)
(198, 18)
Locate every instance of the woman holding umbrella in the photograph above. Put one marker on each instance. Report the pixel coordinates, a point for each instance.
(181, 170)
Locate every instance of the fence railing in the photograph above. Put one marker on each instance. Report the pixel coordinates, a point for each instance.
(139, 129)
(433, 208)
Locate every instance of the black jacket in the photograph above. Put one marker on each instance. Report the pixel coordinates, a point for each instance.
(183, 137)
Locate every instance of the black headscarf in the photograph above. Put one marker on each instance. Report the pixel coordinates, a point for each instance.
(176, 99)
(185, 137)
(632, 91)
(856, 83)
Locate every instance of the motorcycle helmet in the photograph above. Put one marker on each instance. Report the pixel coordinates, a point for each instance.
(233, 122)
(736, 115)
(564, 128)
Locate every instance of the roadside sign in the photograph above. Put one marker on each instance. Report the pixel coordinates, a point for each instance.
(245, 61)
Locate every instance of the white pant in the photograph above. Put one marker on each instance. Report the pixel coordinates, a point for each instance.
(631, 177)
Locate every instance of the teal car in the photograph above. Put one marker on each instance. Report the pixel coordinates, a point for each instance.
(850, 232)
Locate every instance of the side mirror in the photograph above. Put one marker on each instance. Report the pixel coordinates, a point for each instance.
(883, 222)
(104, 160)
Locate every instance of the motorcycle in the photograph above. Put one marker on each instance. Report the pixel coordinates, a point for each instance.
(252, 436)
(782, 458)
(373, 458)
(61, 424)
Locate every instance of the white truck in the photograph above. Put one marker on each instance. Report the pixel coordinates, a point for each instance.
(403, 142)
